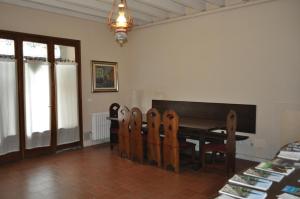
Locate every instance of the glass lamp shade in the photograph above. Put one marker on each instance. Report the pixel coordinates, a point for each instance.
(121, 20)
(121, 37)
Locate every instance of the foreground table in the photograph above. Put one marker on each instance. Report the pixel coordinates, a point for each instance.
(288, 180)
(291, 179)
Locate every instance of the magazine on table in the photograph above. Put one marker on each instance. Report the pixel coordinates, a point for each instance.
(275, 177)
(292, 190)
(287, 196)
(222, 196)
(286, 163)
(293, 147)
(250, 181)
(283, 162)
(240, 192)
(291, 152)
(290, 155)
(271, 167)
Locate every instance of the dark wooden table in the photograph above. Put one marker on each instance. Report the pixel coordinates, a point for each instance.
(198, 129)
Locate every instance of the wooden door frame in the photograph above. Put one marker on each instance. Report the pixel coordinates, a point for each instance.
(77, 46)
(18, 38)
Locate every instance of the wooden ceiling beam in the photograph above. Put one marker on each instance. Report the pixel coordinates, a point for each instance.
(69, 6)
(106, 8)
(135, 6)
(54, 10)
(144, 8)
(166, 5)
(74, 5)
(218, 3)
(193, 4)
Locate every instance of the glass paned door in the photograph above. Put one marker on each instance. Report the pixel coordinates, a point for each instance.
(37, 95)
(40, 95)
(9, 128)
(66, 95)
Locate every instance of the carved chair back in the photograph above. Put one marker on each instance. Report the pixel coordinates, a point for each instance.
(137, 149)
(231, 125)
(114, 125)
(153, 136)
(171, 143)
(124, 134)
(113, 112)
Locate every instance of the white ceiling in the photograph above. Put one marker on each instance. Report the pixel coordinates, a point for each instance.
(144, 12)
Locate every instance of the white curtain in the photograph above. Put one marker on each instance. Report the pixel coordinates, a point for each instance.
(67, 102)
(37, 97)
(9, 129)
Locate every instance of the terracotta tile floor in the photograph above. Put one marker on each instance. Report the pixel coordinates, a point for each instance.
(99, 173)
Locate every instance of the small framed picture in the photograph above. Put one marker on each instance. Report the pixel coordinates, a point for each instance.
(104, 76)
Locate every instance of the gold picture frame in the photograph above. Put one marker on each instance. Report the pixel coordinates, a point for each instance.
(104, 76)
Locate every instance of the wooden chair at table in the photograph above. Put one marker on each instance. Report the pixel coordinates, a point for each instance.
(114, 125)
(153, 136)
(171, 144)
(229, 148)
(124, 134)
(136, 137)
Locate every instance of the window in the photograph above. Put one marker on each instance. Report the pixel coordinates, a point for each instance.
(9, 129)
(40, 106)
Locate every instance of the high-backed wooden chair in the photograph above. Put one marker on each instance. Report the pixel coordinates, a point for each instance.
(153, 136)
(114, 125)
(136, 138)
(171, 154)
(228, 148)
(124, 134)
(171, 144)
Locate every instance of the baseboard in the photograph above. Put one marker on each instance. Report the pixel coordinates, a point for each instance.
(88, 143)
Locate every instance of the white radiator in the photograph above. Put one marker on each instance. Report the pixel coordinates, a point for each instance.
(100, 126)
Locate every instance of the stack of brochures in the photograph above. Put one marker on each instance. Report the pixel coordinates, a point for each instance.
(275, 168)
(290, 152)
(292, 190)
(223, 196)
(284, 162)
(275, 177)
(287, 196)
(250, 181)
(242, 192)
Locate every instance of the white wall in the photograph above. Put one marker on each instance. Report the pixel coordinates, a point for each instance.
(248, 55)
(97, 43)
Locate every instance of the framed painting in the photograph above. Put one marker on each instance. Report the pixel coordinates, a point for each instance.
(104, 76)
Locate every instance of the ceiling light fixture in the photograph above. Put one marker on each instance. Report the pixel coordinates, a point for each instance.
(120, 21)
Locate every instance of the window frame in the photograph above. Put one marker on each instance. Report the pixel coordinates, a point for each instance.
(18, 38)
